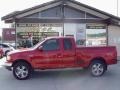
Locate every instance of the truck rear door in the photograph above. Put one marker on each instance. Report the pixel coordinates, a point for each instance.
(68, 52)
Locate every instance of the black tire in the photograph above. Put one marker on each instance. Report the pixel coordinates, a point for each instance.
(97, 68)
(22, 68)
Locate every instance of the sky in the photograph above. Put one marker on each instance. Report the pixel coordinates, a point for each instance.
(8, 6)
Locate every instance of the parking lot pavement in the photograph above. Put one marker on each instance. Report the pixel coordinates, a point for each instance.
(62, 80)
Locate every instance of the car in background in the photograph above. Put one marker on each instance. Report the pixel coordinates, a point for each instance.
(6, 48)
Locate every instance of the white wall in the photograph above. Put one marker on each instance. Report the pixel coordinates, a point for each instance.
(114, 37)
(71, 28)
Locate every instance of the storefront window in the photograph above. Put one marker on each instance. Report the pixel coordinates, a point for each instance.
(30, 34)
(96, 36)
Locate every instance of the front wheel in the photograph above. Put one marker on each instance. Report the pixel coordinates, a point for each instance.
(21, 71)
(98, 68)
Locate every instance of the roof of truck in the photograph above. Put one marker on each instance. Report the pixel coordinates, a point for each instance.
(59, 37)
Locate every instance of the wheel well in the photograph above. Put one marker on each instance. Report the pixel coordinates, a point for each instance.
(17, 61)
(6, 52)
(98, 59)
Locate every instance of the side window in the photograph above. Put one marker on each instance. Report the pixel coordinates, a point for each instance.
(67, 44)
(51, 45)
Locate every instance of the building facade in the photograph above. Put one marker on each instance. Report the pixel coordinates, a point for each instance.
(89, 26)
(8, 35)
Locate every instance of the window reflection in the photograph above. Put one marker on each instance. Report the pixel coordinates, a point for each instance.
(96, 37)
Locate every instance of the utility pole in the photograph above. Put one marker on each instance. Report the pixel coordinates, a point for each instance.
(63, 18)
(63, 15)
(15, 33)
(117, 8)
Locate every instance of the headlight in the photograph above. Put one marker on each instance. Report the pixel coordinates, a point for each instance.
(8, 57)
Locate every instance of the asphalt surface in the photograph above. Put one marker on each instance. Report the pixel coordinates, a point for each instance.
(62, 80)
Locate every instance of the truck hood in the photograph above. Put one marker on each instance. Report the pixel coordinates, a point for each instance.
(19, 50)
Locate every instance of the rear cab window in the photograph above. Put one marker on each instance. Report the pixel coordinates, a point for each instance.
(67, 44)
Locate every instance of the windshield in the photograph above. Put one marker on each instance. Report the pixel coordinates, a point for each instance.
(38, 44)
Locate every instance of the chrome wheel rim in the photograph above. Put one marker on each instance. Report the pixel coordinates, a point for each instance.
(21, 72)
(97, 69)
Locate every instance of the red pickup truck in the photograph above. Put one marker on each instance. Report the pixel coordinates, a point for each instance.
(58, 53)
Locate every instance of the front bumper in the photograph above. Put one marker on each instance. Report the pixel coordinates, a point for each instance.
(8, 66)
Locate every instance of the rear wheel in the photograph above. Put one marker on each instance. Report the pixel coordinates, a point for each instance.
(21, 71)
(98, 68)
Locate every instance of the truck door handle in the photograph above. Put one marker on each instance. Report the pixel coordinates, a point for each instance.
(59, 55)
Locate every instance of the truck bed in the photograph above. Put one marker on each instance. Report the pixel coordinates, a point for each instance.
(87, 54)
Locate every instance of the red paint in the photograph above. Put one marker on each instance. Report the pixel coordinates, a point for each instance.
(76, 57)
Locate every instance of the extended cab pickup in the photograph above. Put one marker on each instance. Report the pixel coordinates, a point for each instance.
(57, 53)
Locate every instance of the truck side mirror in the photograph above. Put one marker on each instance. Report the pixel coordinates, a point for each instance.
(40, 48)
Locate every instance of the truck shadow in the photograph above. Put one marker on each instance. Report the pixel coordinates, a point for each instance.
(69, 74)
(75, 73)
(60, 73)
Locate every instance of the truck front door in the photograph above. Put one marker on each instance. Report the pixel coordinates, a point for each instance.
(51, 54)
